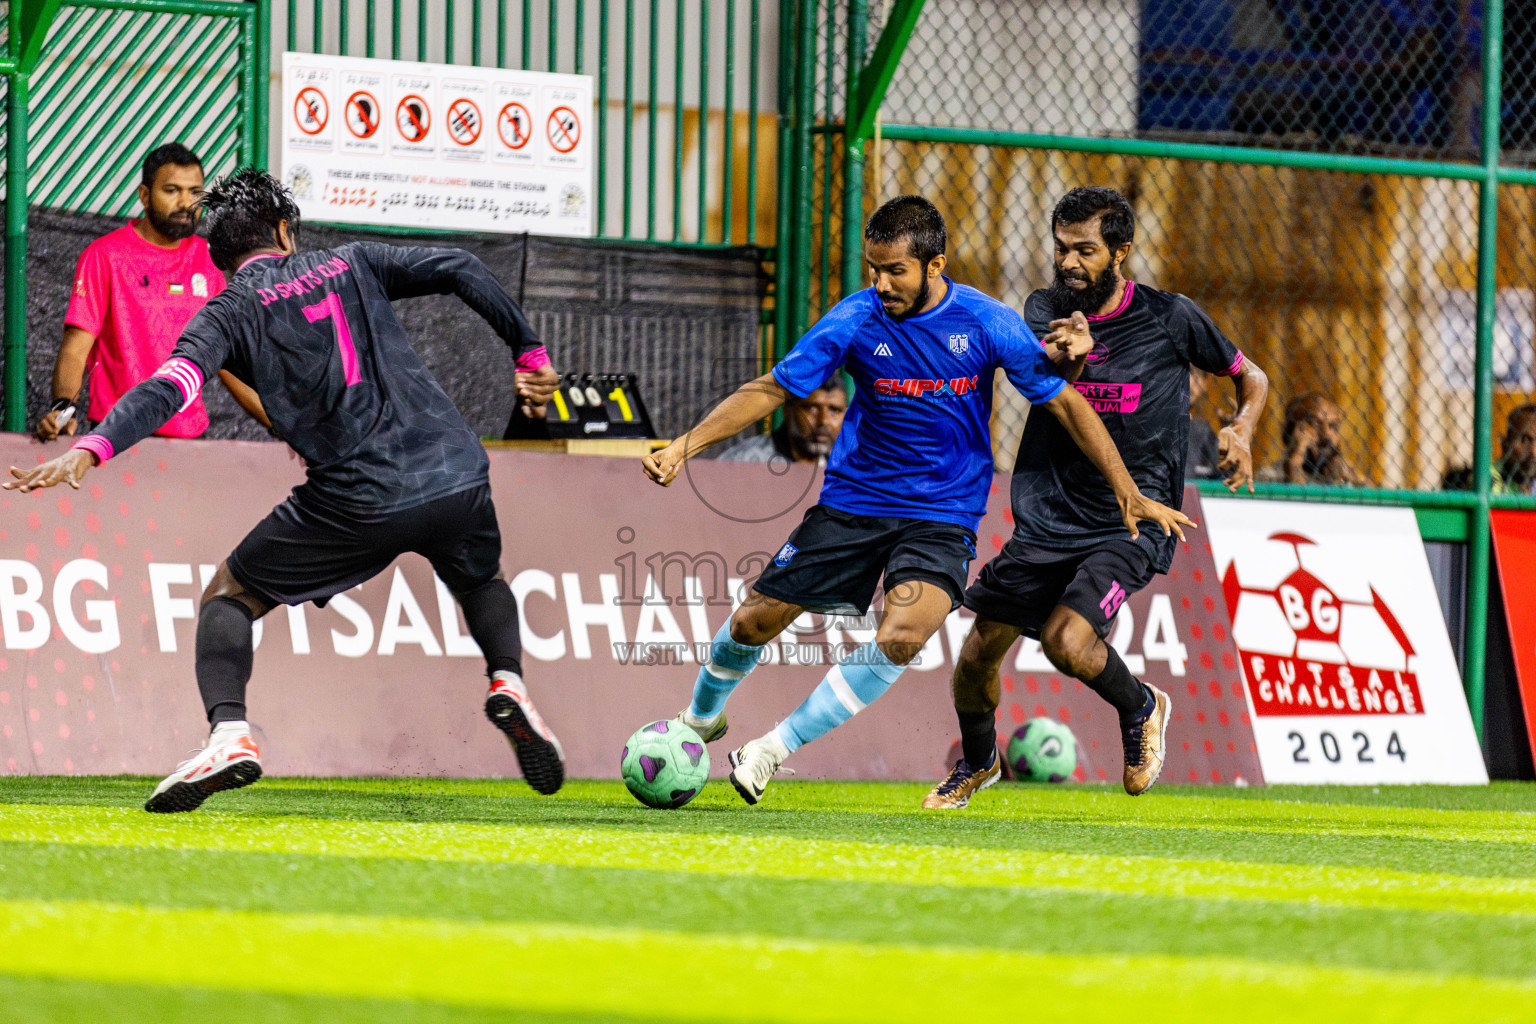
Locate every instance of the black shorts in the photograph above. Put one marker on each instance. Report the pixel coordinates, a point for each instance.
(1023, 583)
(834, 560)
(305, 552)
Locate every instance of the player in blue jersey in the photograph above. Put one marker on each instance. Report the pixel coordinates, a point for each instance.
(391, 465)
(907, 480)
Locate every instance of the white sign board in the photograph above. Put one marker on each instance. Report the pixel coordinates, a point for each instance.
(392, 142)
(1349, 670)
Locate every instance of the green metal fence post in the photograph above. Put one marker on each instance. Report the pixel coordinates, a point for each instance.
(262, 99)
(783, 234)
(853, 152)
(17, 127)
(1478, 554)
(866, 91)
(804, 170)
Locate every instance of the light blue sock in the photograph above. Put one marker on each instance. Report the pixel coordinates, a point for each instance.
(728, 664)
(853, 684)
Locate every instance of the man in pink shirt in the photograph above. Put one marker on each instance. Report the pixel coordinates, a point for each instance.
(135, 289)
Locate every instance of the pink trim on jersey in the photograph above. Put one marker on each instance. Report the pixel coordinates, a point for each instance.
(253, 259)
(1235, 368)
(97, 445)
(185, 375)
(1130, 289)
(533, 359)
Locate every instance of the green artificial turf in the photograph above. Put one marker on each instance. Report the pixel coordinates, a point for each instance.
(473, 900)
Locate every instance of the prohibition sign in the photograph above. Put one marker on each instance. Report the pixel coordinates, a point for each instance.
(514, 125)
(564, 129)
(311, 110)
(413, 118)
(463, 121)
(362, 114)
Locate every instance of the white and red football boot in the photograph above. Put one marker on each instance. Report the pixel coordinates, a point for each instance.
(229, 761)
(539, 754)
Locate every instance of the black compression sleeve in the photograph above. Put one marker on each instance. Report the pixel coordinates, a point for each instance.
(141, 412)
(410, 271)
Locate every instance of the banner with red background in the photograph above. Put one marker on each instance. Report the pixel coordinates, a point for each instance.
(1514, 542)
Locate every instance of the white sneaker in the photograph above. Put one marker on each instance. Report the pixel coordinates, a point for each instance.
(757, 762)
(229, 761)
(709, 729)
(539, 753)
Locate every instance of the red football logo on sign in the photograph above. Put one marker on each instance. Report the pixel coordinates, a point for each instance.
(1306, 651)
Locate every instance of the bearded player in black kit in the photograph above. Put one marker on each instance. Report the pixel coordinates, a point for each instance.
(391, 465)
(1068, 567)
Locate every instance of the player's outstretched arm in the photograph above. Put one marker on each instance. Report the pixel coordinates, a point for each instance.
(751, 402)
(1087, 430)
(69, 468)
(1235, 442)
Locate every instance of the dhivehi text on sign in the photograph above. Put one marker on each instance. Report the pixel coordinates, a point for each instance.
(405, 144)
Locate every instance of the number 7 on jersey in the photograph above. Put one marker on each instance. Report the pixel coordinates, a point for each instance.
(330, 306)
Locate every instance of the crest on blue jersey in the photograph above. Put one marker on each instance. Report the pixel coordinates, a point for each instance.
(785, 554)
(959, 344)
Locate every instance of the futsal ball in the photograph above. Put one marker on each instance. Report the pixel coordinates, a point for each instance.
(664, 764)
(1043, 750)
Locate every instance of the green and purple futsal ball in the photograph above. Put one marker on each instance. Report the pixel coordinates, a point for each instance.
(664, 764)
(1042, 750)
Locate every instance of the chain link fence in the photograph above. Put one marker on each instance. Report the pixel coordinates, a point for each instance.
(1360, 289)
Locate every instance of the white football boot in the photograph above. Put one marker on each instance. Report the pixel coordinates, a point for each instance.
(539, 753)
(709, 729)
(229, 761)
(757, 762)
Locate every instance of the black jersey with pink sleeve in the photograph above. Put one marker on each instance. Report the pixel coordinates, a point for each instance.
(314, 334)
(1137, 377)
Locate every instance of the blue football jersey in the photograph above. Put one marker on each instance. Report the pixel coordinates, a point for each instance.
(915, 442)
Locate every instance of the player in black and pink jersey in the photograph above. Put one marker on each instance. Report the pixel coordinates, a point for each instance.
(392, 466)
(1069, 566)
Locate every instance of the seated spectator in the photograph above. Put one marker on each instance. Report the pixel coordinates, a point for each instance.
(806, 435)
(135, 289)
(1204, 449)
(1514, 471)
(1312, 452)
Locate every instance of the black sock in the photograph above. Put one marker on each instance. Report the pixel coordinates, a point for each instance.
(490, 611)
(978, 737)
(1116, 685)
(224, 654)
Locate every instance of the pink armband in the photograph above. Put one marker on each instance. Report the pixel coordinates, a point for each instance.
(533, 359)
(97, 445)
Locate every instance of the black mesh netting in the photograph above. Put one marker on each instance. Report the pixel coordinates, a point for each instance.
(685, 321)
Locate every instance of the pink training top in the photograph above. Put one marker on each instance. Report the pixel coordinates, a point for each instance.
(136, 297)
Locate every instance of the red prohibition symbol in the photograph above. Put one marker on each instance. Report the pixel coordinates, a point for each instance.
(564, 129)
(413, 118)
(463, 121)
(515, 125)
(362, 114)
(311, 111)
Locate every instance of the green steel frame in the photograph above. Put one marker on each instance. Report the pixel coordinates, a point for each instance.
(224, 33)
(1461, 517)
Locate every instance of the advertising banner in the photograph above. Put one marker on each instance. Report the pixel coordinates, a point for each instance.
(391, 142)
(1514, 541)
(621, 585)
(1351, 677)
